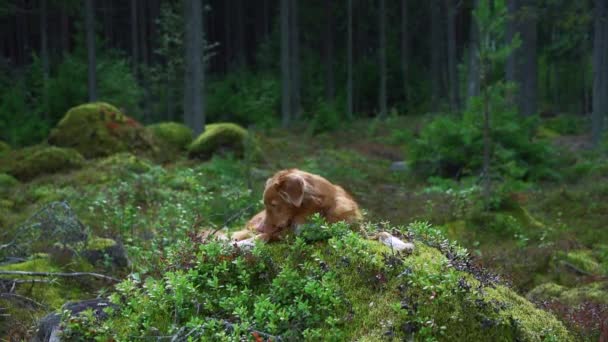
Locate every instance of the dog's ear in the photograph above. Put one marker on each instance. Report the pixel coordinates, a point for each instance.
(291, 189)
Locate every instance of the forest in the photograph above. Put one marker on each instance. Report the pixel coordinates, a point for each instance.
(137, 137)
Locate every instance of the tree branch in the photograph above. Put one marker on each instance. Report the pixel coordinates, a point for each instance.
(61, 274)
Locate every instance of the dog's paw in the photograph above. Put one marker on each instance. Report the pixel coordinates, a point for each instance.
(395, 243)
(247, 244)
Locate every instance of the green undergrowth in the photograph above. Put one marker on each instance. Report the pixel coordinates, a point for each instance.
(332, 285)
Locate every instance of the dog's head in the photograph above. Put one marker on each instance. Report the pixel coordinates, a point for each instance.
(283, 197)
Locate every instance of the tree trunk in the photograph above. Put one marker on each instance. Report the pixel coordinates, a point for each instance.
(512, 29)
(285, 65)
(436, 78)
(44, 51)
(227, 34)
(107, 21)
(92, 74)
(349, 82)
(65, 30)
(473, 78)
(454, 91)
(404, 47)
(295, 60)
(194, 78)
(528, 76)
(134, 38)
(329, 53)
(382, 56)
(143, 33)
(241, 58)
(600, 71)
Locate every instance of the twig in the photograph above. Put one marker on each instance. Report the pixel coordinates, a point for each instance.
(61, 274)
(22, 298)
(232, 218)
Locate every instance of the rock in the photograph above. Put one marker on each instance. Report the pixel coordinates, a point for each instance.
(220, 138)
(48, 328)
(395, 243)
(28, 163)
(125, 161)
(100, 129)
(100, 250)
(399, 166)
(174, 134)
(596, 292)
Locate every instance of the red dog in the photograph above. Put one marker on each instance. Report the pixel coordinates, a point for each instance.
(291, 196)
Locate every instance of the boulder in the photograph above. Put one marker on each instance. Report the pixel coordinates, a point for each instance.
(100, 250)
(100, 129)
(49, 329)
(28, 163)
(221, 138)
(173, 134)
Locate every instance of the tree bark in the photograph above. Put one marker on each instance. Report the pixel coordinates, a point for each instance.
(285, 65)
(241, 58)
(382, 56)
(435, 44)
(454, 91)
(92, 62)
(194, 77)
(600, 71)
(65, 30)
(329, 52)
(44, 51)
(295, 60)
(512, 29)
(143, 33)
(528, 77)
(404, 47)
(473, 78)
(134, 38)
(349, 82)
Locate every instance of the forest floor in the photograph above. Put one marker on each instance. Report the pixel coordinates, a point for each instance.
(555, 238)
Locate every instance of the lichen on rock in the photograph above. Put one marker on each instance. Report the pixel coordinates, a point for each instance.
(100, 129)
(219, 138)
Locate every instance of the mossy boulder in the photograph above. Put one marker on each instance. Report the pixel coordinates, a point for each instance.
(173, 134)
(125, 161)
(4, 147)
(7, 181)
(220, 138)
(331, 284)
(106, 252)
(596, 292)
(100, 129)
(25, 164)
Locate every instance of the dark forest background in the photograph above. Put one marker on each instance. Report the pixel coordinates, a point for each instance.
(327, 61)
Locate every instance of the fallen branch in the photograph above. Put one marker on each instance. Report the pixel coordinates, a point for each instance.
(61, 274)
(22, 298)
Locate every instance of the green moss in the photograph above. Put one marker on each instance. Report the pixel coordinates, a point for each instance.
(98, 243)
(31, 162)
(174, 134)
(595, 292)
(4, 147)
(530, 323)
(7, 181)
(581, 260)
(546, 133)
(546, 291)
(126, 162)
(100, 129)
(219, 138)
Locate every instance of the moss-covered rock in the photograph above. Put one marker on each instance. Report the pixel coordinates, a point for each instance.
(4, 147)
(7, 181)
(126, 162)
(220, 138)
(580, 261)
(106, 252)
(173, 134)
(30, 162)
(596, 292)
(346, 288)
(100, 129)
